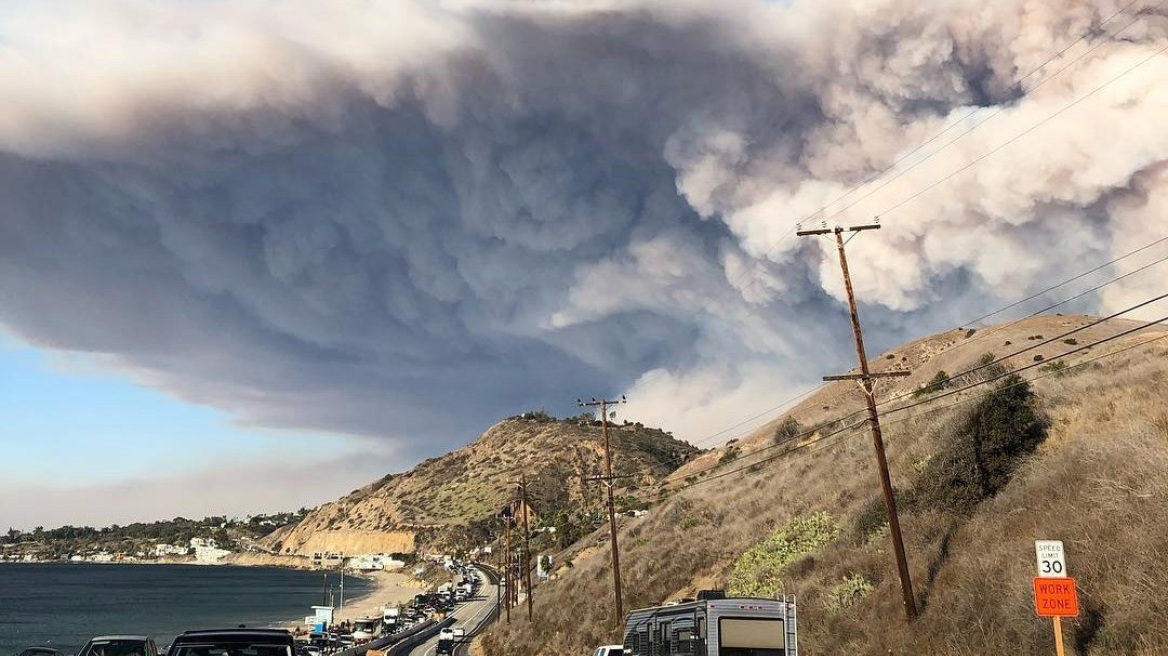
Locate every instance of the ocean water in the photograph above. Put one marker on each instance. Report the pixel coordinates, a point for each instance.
(65, 604)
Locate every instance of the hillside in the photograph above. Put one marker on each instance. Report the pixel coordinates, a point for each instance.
(1078, 453)
(452, 499)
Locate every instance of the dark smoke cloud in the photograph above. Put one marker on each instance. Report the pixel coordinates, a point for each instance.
(407, 219)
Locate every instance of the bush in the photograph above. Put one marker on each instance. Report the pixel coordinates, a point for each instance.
(870, 519)
(939, 382)
(848, 591)
(730, 455)
(987, 368)
(1055, 367)
(788, 430)
(977, 459)
(759, 571)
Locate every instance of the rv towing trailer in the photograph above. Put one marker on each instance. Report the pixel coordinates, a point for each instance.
(714, 626)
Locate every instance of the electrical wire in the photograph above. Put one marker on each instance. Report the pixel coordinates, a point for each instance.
(681, 460)
(878, 174)
(812, 431)
(754, 465)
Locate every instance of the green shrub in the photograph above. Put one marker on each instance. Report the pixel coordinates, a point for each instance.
(1055, 367)
(939, 382)
(848, 591)
(869, 518)
(730, 455)
(976, 459)
(758, 572)
(788, 430)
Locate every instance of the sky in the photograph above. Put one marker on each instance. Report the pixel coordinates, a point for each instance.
(256, 254)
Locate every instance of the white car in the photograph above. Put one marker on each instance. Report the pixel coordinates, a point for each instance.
(609, 650)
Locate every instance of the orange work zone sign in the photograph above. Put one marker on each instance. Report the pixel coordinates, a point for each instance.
(1055, 597)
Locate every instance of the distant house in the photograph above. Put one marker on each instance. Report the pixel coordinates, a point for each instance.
(375, 562)
(329, 559)
(163, 550)
(210, 554)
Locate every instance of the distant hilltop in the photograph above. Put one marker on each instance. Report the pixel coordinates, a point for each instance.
(452, 500)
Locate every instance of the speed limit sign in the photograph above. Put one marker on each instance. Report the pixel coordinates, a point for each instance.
(1052, 562)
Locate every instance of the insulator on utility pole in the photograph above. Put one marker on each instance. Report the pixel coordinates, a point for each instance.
(866, 378)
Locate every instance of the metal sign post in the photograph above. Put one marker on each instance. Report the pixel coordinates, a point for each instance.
(1055, 595)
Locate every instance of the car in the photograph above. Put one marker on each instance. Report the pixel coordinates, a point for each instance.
(609, 650)
(233, 642)
(41, 651)
(119, 645)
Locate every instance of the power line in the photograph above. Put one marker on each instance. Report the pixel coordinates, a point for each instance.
(1067, 282)
(979, 336)
(1000, 109)
(1034, 364)
(969, 165)
(977, 160)
(800, 447)
(1044, 342)
(812, 431)
(878, 174)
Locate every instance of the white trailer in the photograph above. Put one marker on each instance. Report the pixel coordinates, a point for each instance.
(714, 625)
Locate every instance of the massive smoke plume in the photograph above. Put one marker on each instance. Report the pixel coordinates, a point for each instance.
(407, 218)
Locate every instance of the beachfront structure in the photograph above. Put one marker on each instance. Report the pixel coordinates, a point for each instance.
(210, 554)
(329, 559)
(375, 562)
(163, 550)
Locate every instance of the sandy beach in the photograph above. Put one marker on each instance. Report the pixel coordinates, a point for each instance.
(386, 589)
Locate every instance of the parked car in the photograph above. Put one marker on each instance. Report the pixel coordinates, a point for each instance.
(230, 642)
(41, 651)
(609, 650)
(120, 645)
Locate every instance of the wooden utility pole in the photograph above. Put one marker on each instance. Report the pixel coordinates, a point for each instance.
(525, 558)
(608, 479)
(527, 553)
(866, 378)
(507, 517)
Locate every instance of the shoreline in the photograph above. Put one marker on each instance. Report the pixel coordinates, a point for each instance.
(385, 589)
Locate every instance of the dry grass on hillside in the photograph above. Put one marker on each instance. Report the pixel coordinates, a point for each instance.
(452, 499)
(1099, 483)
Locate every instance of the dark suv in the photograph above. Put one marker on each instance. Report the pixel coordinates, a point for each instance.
(234, 642)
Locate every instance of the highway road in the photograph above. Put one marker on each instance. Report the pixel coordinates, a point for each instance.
(469, 616)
